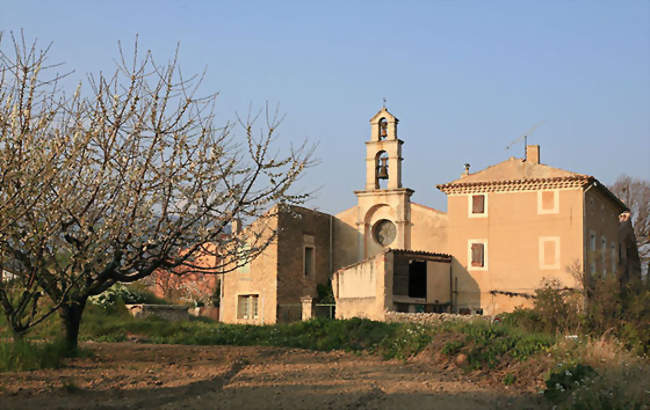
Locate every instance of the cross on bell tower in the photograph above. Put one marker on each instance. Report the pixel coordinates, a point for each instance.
(383, 152)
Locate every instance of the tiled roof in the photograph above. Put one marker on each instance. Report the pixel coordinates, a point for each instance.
(514, 169)
(513, 184)
(443, 256)
(516, 174)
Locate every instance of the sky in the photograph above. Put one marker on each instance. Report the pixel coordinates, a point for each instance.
(465, 78)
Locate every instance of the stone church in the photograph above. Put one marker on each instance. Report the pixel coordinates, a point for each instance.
(507, 228)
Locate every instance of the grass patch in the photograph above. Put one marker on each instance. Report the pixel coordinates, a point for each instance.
(20, 356)
(391, 340)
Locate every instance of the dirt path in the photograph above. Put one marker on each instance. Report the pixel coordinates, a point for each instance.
(130, 375)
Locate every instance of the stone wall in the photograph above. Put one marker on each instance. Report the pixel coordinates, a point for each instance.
(430, 318)
(168, 312)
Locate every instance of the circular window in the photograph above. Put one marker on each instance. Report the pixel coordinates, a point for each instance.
(384, 232)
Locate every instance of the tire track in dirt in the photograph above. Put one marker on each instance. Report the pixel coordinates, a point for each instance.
(365, 401)
(214, 385)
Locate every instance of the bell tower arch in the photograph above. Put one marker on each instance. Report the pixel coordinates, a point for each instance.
(384, 206)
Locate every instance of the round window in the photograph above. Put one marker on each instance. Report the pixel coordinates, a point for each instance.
(384, 232)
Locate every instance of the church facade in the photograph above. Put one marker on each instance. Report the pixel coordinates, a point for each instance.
(507, 228)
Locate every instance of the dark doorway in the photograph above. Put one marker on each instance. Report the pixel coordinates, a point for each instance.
(417, 279)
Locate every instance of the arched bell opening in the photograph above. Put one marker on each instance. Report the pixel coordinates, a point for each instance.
(381, 170)
(382, 129)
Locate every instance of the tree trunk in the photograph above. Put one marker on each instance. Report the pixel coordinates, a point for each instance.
(18, 336)
(70, 314)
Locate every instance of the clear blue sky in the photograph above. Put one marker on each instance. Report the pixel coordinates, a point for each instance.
(465, 78)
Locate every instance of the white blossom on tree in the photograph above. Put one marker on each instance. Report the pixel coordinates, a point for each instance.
(139, 177)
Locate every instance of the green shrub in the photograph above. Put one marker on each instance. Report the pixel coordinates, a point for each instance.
(558, 309)
(623, 313)
(128, 294)
(487, 345)
(527, 319)
(614, 387)
(566, 378)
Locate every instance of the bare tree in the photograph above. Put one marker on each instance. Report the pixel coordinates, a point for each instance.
(148, 180)
(32, 123)
(635, 193)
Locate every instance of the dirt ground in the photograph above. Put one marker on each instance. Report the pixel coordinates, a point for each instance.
(135, 375)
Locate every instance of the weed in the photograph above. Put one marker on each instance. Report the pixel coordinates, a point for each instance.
(452, 348)
(509, 379)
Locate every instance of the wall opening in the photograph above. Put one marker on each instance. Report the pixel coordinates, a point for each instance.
(381, 170)
(383, 129)
(309, 261)
(410, 278)
(417, 279)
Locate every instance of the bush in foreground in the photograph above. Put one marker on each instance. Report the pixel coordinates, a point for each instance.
(488, 345)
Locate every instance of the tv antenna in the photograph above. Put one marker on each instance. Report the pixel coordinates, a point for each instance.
(524, 136)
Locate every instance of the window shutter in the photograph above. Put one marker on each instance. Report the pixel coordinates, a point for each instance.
(549, 253)
(241, 307)
(309, 260)
(478, 204)
(254, 305)
(548, 200)
(477, 254)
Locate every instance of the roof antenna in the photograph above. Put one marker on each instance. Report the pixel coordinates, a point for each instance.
(525, 138)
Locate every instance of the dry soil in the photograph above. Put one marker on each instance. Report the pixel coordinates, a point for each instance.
(135, 375)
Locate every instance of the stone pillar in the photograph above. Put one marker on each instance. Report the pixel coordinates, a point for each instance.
(307, 307)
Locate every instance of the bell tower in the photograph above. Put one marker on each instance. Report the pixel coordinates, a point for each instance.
(383, 153)
(384, 206)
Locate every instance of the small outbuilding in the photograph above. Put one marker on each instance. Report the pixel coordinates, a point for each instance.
(395, 280)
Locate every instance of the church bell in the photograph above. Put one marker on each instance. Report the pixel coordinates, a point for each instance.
(382, 171)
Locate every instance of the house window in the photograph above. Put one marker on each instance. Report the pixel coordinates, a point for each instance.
(592, 241)
(548, 202)
(247, 306)
(309, 261)
(592, 253)
(549, 252)
(477, 254)
(613, 256)
(477, 205)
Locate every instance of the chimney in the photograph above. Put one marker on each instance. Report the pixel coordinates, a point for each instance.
(464, 174)
(532, 154)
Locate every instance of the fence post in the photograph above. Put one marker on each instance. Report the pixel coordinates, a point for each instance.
(307, 307)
